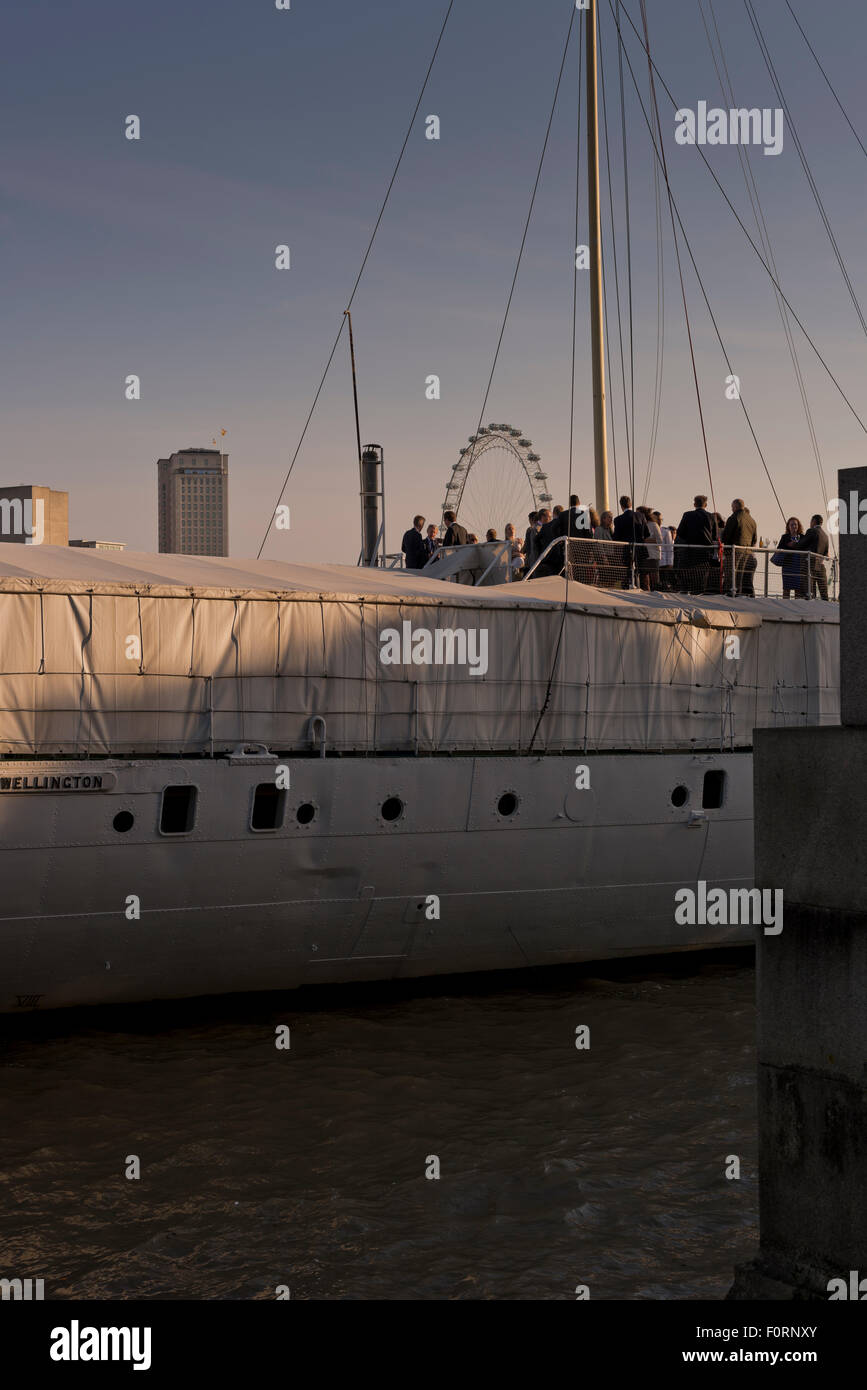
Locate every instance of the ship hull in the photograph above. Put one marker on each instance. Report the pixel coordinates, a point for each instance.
(488, 863)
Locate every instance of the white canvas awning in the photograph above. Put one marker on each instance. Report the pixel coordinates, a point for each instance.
(117, 652)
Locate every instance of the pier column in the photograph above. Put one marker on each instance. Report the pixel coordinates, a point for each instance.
(811, 841)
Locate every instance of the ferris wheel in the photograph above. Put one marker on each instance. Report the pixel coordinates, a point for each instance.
(498, 478)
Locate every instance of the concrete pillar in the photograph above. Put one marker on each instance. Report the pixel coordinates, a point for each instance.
(853, 604)
(811, 841)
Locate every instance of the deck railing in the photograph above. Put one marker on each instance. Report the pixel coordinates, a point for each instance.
(744, 571)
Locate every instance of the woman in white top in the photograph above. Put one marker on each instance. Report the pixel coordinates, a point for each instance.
(649, 567)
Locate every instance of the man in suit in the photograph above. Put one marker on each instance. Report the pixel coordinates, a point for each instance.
(531, 536)
(413, 545)
(816, 540)
(698, 530)
(575, 523)
(630, 529)
(432, 540)
(550, 530)
(455, 534)
(740, 531)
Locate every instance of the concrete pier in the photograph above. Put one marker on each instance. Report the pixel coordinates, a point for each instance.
(811, 841)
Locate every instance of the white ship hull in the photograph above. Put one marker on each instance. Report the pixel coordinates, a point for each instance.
(571, 875)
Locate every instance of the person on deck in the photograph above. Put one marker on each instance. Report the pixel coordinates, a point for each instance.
(816, 541)
(695, 549)
(455, 533)
(630, 529)
(791, 555)
(413, 545)
(531, 536)
(740, 531)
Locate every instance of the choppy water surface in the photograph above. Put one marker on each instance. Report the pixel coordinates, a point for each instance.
(306, 1167)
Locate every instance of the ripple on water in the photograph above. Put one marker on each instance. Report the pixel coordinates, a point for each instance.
(558, 1166)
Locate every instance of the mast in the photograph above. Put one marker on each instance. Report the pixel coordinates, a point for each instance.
(597, 329)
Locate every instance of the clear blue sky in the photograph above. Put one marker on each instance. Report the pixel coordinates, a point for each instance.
(262, 127)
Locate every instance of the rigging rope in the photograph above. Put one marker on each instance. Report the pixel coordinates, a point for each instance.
(746, 233)
(359, 275)
(628, 246)
(630, 443)
(677, 257)
(826, 77)
(814, 189)
(701, 283)
(765, 236)
(547, 700)
(469, 461)
(656, 412)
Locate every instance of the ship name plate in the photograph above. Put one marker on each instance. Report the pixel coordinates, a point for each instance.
(57, 782)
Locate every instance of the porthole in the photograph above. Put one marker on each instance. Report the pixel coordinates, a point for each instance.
(391, 808)
(507, 804)
(306, 813)
(123, 821)
(680, 796)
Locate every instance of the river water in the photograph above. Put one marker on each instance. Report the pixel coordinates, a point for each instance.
(305, 1167)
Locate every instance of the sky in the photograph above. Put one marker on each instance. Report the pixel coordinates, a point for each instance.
(263, 127)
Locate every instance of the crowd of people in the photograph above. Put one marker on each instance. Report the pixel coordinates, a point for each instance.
(704, 553)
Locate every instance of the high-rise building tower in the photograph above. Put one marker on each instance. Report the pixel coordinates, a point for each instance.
(193, 501)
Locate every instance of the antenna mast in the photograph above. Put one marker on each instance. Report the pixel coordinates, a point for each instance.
(597, 327)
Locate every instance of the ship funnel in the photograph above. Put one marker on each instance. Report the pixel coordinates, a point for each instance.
(372, 506)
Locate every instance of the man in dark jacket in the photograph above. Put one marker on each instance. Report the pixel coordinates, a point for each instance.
(575, 523)
(456, 534)
(740, 531)
(697, 530)
(816, 540)
(630, 529)
(531, 536)
(413, 545)
(550, 531)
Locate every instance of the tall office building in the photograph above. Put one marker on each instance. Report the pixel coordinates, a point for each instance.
(34, 515)
(193, 500)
